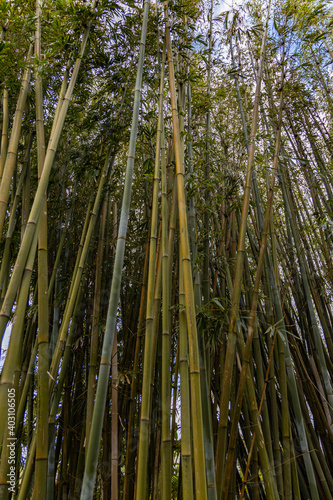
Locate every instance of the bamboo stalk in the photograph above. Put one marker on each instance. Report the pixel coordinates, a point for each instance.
(102, 384)
(43, 316)
(196, 405)
(95, 325)
(186, 438)
(151, 332)
(4, 133)
(166, 451)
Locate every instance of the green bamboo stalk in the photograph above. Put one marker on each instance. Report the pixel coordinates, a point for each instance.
(205, 269)
(286, 436)
(114, 428)
(166, 452)
(5, 263)
(83, 241)
(11, 362)
(151, 332)
(196, 404)
(4, 133)
(43, 312)
(129, 472)
(203, 351)
(25, 193)
(57, 391)
(314, 327)
(25, 388)
(94, 335)
(114, 395)
(102, 384)
(186, 448)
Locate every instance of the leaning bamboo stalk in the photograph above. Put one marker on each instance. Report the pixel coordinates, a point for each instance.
(9, 166)
(102, 385)
(57, 391)
(292, 385)
(5, 263)
(114, 395)
(232, 338)
(37, 206)
(12, 360)
(80, 264)
(83, 242)
(151, 332)
(4, 134)
(304, 271)
(293, 392)
(196, 404)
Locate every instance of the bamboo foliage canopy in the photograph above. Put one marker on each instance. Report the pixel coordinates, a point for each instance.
(166, 264)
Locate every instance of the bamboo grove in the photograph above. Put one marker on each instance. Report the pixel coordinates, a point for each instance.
(166, 273)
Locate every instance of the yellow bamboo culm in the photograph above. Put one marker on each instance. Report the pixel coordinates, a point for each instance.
(196, 407)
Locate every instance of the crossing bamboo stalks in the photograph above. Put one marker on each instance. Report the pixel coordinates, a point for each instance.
(102, 385)
(314, 326)
(129, 469)
(12, 360)
(232, 339)
(196, 405)
(291, 378)
(250, 329)
(204, 351)
(37, 206)
(79, 267)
